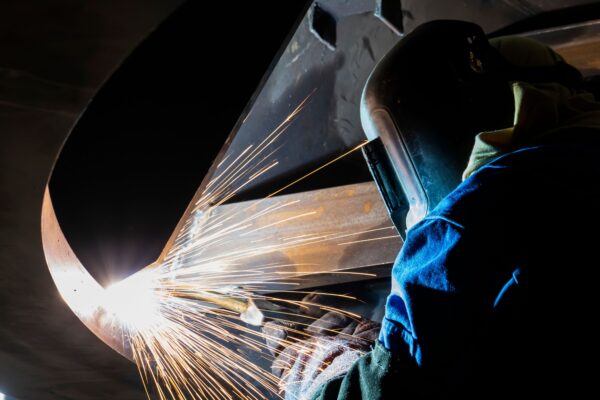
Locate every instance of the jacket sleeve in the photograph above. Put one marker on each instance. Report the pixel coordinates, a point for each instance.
(446, 282)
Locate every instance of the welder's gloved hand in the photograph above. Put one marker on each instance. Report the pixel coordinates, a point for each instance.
(307, 358)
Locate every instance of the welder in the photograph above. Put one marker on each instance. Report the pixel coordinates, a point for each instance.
(492, 293)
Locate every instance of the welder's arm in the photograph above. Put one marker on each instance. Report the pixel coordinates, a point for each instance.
(446, 283)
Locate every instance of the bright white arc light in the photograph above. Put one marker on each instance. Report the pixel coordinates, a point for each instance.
(133, 302)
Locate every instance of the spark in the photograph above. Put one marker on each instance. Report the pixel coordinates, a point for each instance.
(368, 240)
(184, 320)
(318, 169)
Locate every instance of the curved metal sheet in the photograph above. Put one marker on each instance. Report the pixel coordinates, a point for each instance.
(82, 293)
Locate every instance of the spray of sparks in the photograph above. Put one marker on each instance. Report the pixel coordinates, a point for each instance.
(190, 330)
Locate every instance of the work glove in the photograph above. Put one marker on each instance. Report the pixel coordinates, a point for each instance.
(307, 356)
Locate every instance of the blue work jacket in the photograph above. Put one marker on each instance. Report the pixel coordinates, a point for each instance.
(493, 293)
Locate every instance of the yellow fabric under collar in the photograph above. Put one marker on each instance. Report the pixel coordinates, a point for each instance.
(540, 110)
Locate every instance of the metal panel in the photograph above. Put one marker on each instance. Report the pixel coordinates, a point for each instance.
(325, 232)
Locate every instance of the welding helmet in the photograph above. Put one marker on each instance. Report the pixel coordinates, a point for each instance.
(424, 103)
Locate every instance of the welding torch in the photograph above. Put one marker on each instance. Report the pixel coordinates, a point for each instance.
(245, 307)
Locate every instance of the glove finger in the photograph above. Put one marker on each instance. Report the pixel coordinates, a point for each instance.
(349, 329)
(285, 360)
(367, 330)
(292, 360)
(277, 335)
(325, 352)
(329, 324)
(312, 305)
